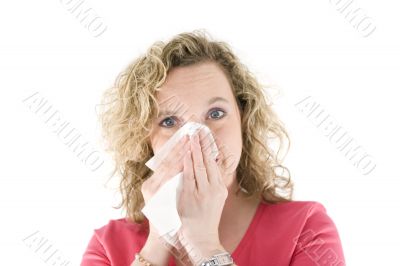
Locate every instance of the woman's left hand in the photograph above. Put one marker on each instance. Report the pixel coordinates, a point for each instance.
(202, 199)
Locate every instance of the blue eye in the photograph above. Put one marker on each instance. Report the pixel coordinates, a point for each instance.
(216, 117)
(168, 122)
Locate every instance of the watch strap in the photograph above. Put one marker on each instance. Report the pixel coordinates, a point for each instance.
(220, 259)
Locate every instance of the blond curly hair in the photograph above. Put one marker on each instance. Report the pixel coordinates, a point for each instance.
(128, 108)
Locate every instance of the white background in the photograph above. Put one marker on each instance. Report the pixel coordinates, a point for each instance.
(305, 48)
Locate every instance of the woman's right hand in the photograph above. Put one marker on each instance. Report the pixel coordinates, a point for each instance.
(156, 250)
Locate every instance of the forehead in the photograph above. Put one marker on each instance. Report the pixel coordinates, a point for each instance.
(196, 82)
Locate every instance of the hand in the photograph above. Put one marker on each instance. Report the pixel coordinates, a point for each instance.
(156, 249)
(202, 198)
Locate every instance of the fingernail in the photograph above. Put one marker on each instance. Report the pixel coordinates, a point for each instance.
(186, 145)
(182, 139)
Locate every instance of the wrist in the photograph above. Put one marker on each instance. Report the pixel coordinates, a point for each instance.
(219, 257)
(201, 253)
(208, 251)
(155, 252)
(203, 244)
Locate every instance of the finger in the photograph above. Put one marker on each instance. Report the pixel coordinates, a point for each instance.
(189, 181)
(213, 173)
(199, 169)
(206, 142)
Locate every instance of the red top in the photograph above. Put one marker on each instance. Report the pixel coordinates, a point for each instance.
(296, 233)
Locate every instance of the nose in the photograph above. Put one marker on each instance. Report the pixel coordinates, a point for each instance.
(192, 129)
(195, 119)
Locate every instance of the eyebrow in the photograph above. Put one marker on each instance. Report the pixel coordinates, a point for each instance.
(210, 101)
(216, 99)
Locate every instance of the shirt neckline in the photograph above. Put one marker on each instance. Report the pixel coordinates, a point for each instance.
(250, 231)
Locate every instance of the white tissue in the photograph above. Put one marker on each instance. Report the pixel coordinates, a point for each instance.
(161, 209)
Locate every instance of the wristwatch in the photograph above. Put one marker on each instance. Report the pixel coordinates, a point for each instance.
(223, 258)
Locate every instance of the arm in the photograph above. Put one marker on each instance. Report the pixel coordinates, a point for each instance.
(155, 251)
(95, 254)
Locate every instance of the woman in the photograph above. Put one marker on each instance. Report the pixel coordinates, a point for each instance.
(237, 206)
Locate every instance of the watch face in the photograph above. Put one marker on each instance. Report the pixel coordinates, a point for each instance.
(212, 262)
(224, 259)
(219, 259)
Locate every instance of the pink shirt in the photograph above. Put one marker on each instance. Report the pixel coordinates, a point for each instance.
(297, 233)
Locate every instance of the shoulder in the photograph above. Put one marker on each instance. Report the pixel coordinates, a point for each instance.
(311, 232)
(115, 243)
(295, 207)
(295, 218)
(302, 210)
(119, 226)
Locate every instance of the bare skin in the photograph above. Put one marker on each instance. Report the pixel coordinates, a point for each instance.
(236, 217)
(224, 224)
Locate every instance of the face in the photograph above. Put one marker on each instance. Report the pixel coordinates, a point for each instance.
(200, 93)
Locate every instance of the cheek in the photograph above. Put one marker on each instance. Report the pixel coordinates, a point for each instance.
(232, 141)
(159, 136)
(230, 134)
(157, 142)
